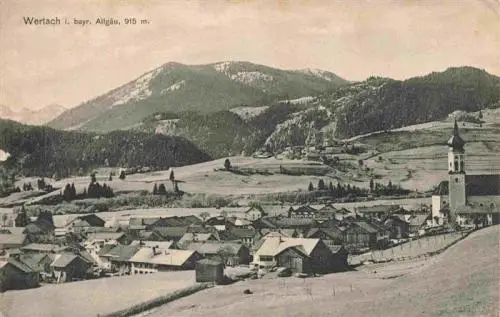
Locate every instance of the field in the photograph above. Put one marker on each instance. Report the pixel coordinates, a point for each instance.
(92, 297)
(463, 281)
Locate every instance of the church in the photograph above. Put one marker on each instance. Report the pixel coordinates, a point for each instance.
(465, 199)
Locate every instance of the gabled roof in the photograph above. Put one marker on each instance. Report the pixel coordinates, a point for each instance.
(13, 239)
(365, 227)
(156, 244)
(38, 226)
(331, 232)
(63, 260)
(284, 222)
(303, 209)
(274, 246)
(33, 260)
(141, 223)
(17, 264)
(163, 257)
(176, 221)
(106, 236)
(213, 247)
(328, 208)
(43, 247)
(279, 233)
(419, 220)
(121, 252)
(190, 236)
(171, 232)
(105, 249)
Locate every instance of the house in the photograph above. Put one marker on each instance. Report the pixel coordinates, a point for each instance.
(301, 255)
(302, 224)
(247, 236)
(43, 248)
(68, 267)
(238, 222)
(304, 211)
(398, 225)
(378, 212)
(333, 235)
(254, 213)
(16, 275)
(102, 238)
(195, 237)
(477, 216)
(461, 189)
(176, 221)
(168, 233)
(38, 262)
(156, 244)
(361, 234)
(117, 257)
(11, 241)
(40, 230)
(84, 223)
(138, 224)
(150, 260)
(418, 222)
(218, 223)
(209, 271)
(229, 253)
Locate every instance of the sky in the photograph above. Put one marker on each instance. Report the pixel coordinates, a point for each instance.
(70, 64)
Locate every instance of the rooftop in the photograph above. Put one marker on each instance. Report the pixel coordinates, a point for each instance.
(275, 245)
(163, 257)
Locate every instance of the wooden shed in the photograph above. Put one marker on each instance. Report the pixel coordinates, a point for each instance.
(209, 271)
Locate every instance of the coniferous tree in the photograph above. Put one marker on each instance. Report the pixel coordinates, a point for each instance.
(155, 189)
(311, 187)
(371, 185)
(227, 165)
(321, 185)
(110, 178)
(93, 178)
(73, 191)
(162, 190)
(122, 175)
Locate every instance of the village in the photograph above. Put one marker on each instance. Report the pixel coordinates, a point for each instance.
(299, 240)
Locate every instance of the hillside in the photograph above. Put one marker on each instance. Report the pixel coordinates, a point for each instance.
(207, 88)
(27, 116)
(444, 285)
(377, 104)
(44, 151)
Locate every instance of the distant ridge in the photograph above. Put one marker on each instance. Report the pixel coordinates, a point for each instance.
(176, 87)
(24, 115)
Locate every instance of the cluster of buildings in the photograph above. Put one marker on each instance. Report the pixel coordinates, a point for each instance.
(305, 239)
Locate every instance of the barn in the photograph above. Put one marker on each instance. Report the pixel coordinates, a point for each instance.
(209, 271)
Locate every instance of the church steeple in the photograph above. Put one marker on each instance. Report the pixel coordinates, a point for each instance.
(456, 157)
(456, 143)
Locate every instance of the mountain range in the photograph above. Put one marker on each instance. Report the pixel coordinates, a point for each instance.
(229, 107)
(206, 88)
(24, 115)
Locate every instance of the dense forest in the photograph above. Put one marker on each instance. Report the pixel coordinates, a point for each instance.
(43, 151)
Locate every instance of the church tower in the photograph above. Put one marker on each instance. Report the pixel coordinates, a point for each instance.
(456, 170)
